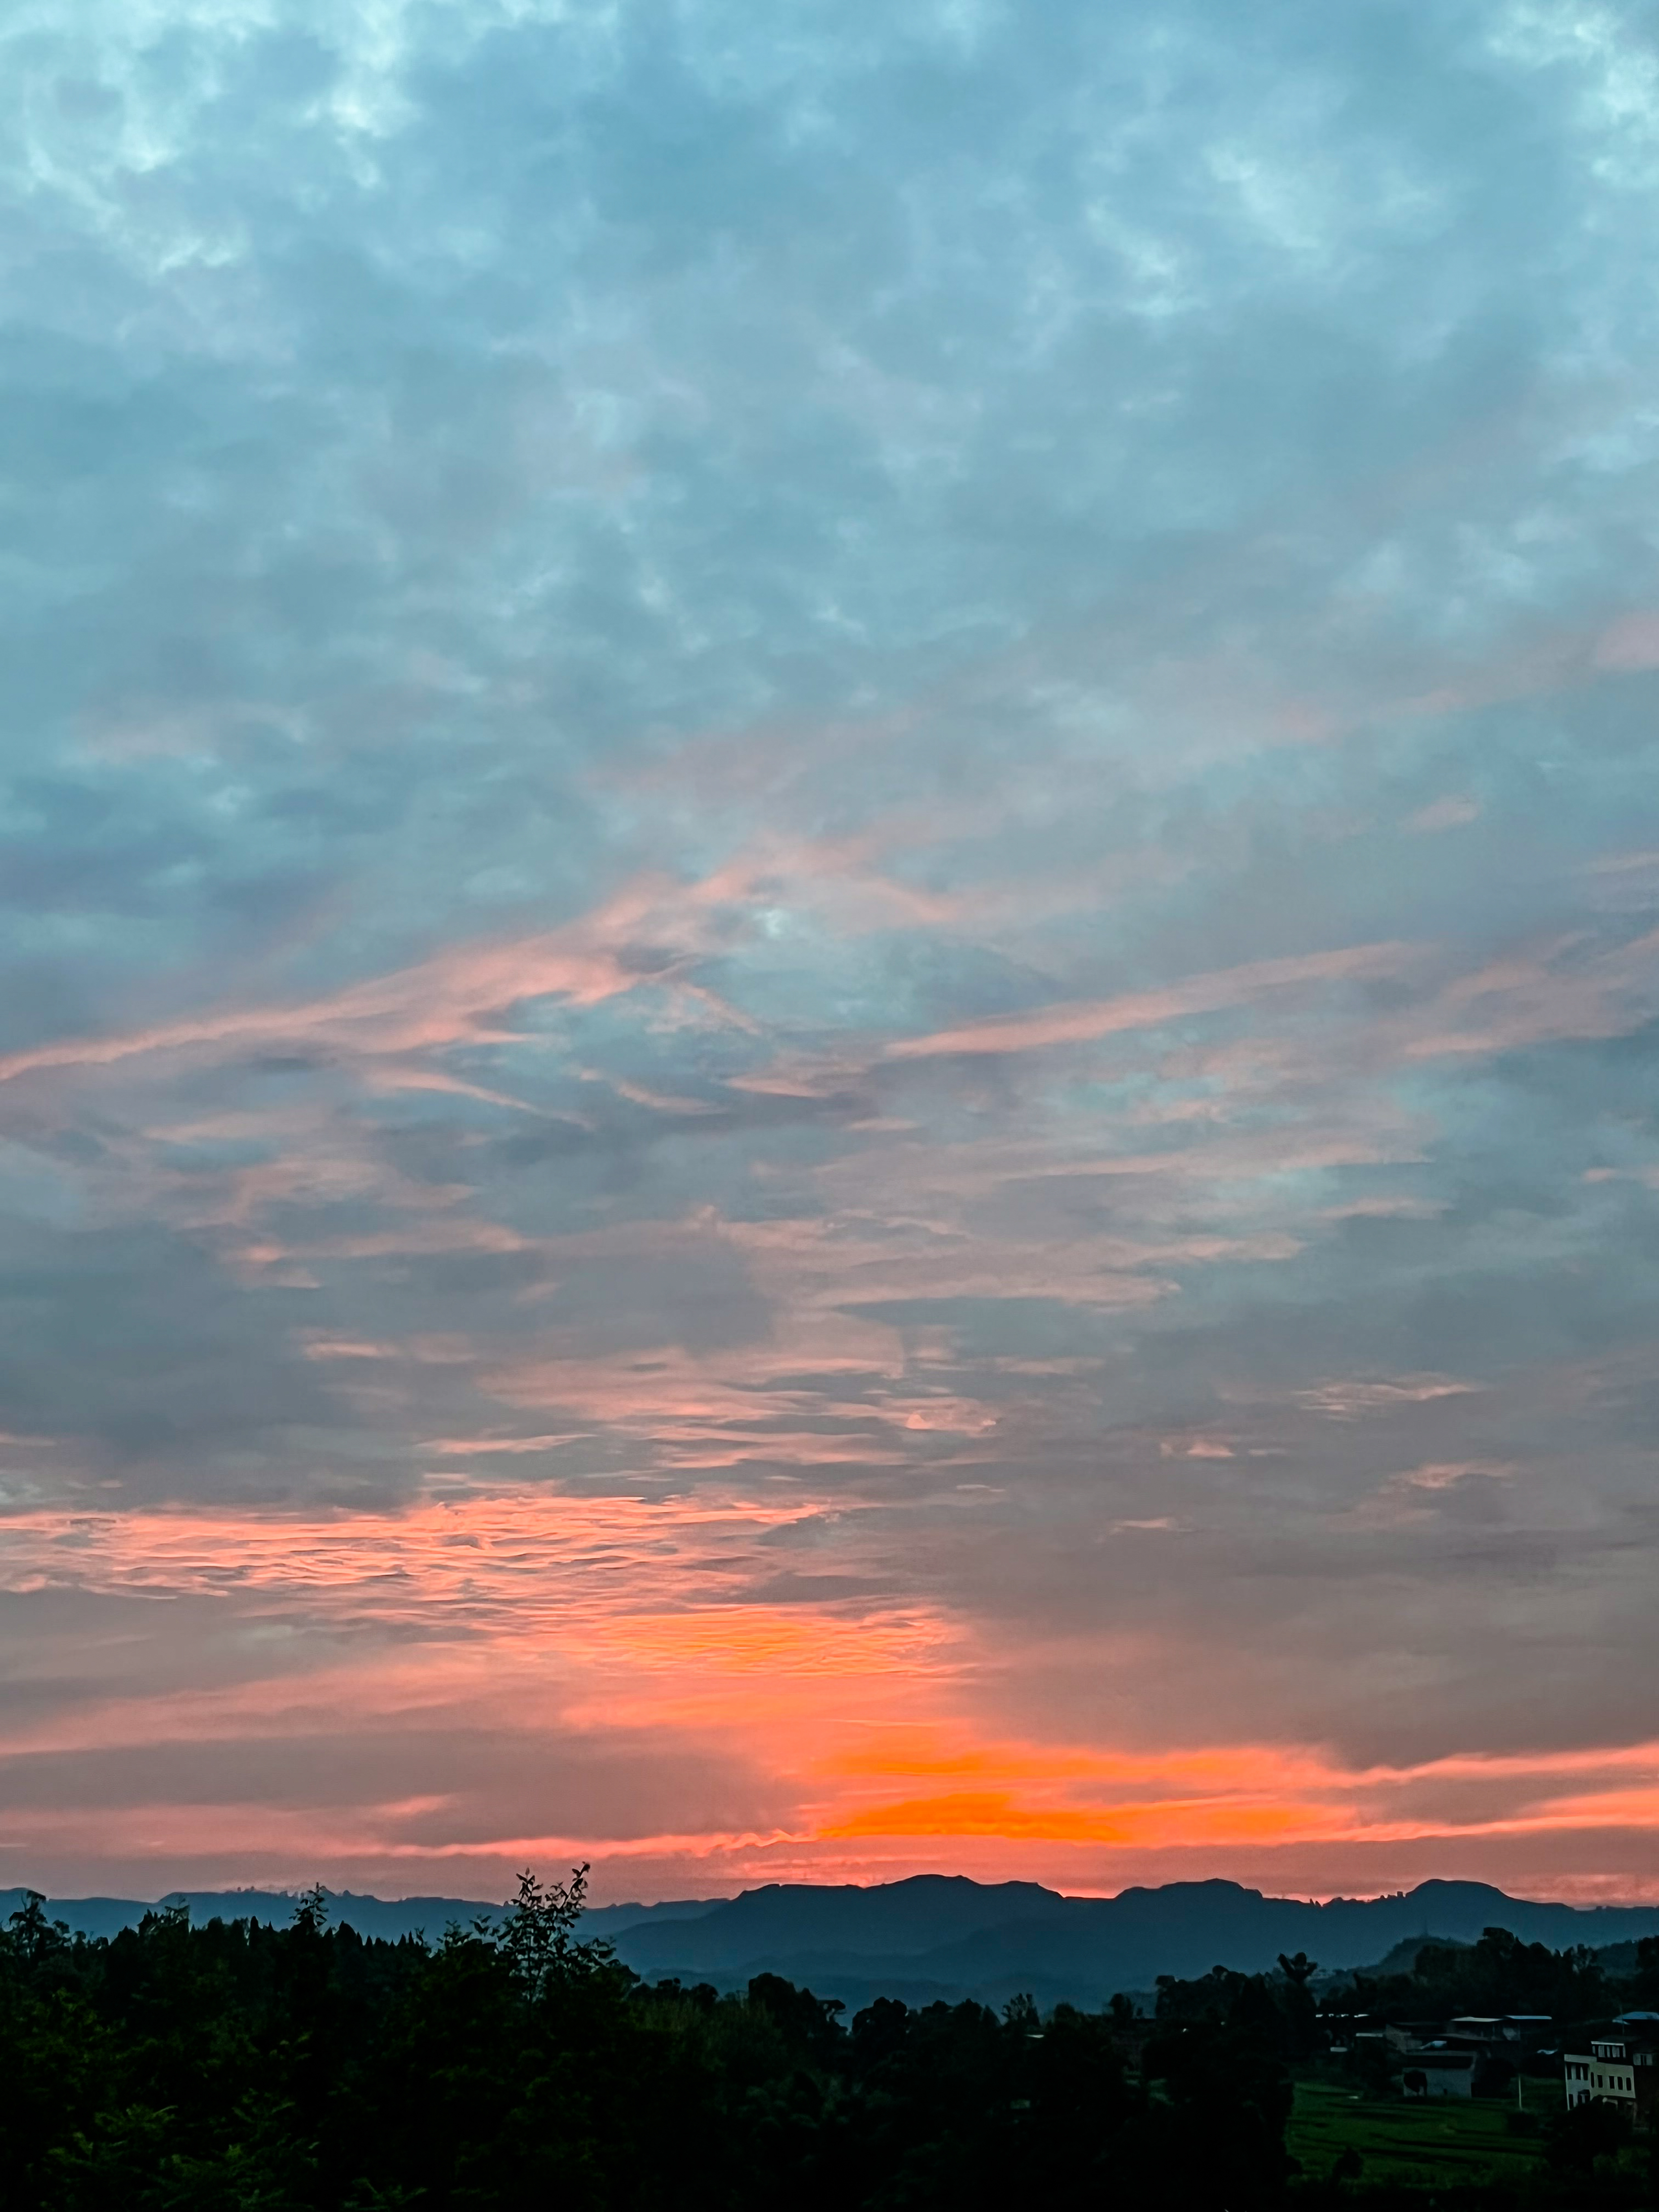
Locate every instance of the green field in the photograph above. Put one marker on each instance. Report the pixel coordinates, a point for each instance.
(1437, 2143)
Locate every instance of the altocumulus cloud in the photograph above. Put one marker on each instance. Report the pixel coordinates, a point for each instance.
(832, 914)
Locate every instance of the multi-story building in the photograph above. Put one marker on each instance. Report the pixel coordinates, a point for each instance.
(1621, 2066)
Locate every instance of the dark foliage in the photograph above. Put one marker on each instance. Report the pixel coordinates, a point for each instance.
(1582, 2134)
(238, 2068)
(1498, 1974)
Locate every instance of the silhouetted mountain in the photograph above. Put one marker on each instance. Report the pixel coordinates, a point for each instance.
(943, 1935)
(896, 1919)
(952, 1937)
(369, 1915)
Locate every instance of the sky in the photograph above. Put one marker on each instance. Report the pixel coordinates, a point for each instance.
(830, 838)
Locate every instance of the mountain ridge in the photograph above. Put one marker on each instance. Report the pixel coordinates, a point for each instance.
(389, 1917)
(1085, 1948)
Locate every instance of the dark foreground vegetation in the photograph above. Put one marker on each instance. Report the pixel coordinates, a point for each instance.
(234, 2066)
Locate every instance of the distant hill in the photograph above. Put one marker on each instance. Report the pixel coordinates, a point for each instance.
(1403, 1957)
(943, 1935)
(369, 1915)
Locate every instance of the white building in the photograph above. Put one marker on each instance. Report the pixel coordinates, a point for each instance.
(1617, 2067)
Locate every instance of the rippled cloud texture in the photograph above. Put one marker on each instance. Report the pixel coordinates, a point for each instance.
(831, 875)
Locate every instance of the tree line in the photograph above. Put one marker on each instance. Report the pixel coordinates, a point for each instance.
(1502, 1974)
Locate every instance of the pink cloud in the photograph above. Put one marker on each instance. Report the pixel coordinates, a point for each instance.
(462, 993)
(1449, 813)
(1083, 1022)
(1352, 1401)
(1523, 999)
(437, 1001)
(1630, 643)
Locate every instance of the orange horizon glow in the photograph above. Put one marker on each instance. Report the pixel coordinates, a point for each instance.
(553, 1621)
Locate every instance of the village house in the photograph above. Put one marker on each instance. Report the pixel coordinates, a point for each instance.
(1621, 2068)
(1440, 2072)
(1503, 2034)
(1474, 2055)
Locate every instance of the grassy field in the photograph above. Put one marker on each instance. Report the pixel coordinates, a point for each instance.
(1436, 2143)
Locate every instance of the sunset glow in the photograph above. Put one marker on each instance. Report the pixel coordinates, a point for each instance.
(811, 1739)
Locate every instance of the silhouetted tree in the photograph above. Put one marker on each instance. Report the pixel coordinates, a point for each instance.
(1301, 2016)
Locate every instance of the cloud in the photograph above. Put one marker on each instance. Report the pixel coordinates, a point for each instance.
(1452, 812)
(511, 1677)
(1632, 642)
(1081, 1025)
(831, 936)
